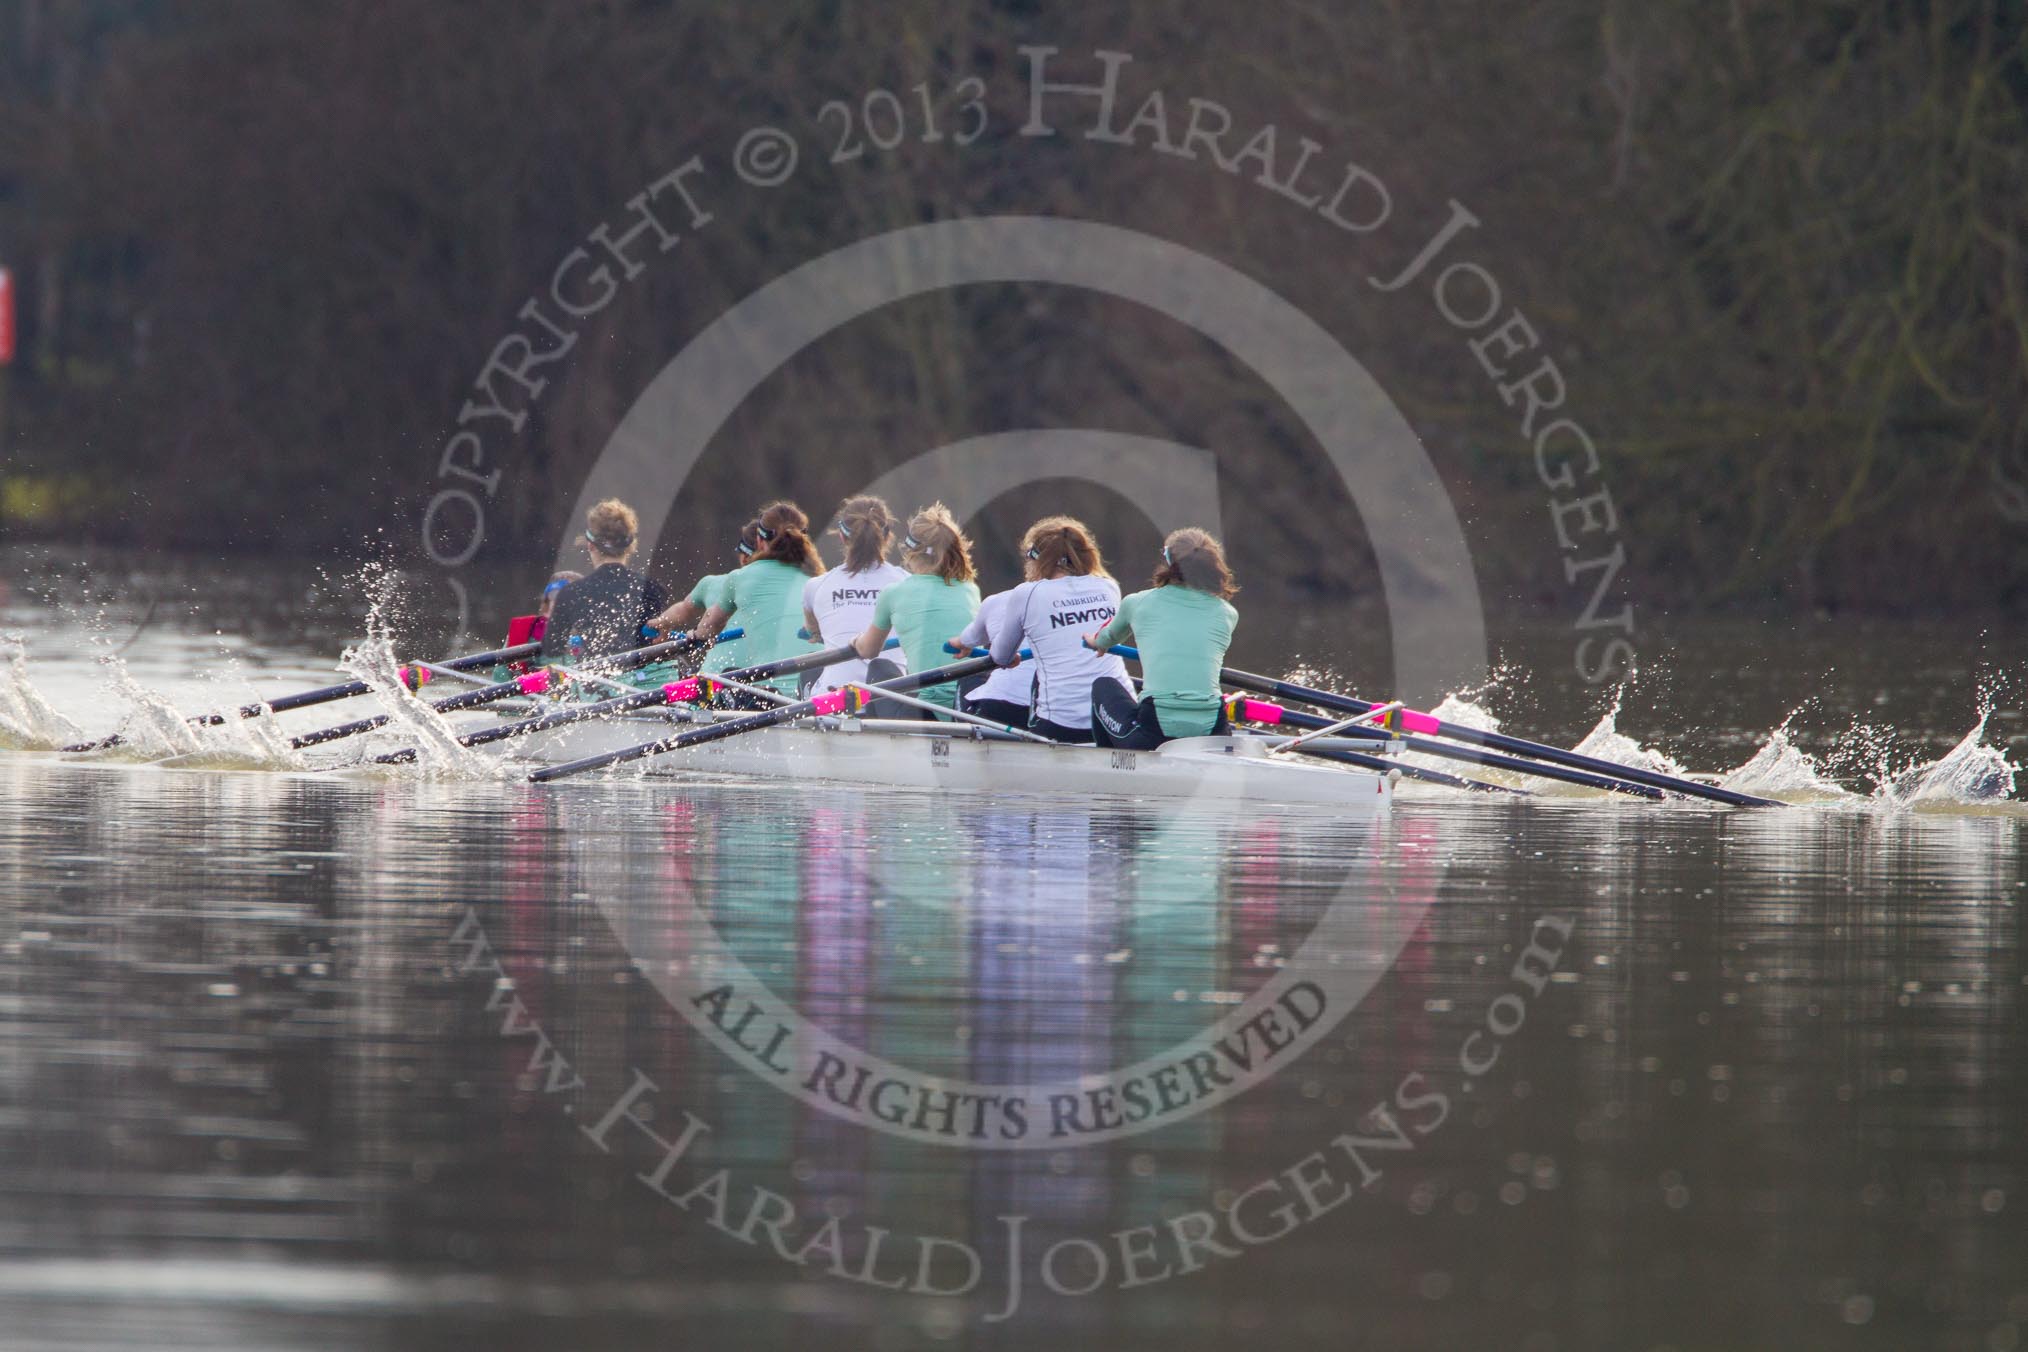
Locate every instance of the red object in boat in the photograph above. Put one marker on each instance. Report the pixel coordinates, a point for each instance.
(526, 629)
(6, 316)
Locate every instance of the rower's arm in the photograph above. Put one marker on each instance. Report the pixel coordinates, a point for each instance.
(679, 616)
(713, 621)
(1116, 631)
(811, 627)
(869, 644)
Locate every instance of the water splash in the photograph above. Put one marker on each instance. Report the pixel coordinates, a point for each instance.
(1607, 742)
(1780, 768)
(1462, 709)
(1970, 772)
(1465, 713)
(28, 721)
(152, 728)
(438, 754)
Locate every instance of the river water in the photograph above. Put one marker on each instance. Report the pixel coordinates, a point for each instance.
(301, 1056)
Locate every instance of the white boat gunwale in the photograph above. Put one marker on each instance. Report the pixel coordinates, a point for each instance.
(920, 754)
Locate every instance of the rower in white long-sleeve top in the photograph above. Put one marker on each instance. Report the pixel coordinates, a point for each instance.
(838, 606)
(1072, 596)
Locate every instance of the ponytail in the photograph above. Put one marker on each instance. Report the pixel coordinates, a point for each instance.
(867, 525)
(781, 532)
(1193, 558)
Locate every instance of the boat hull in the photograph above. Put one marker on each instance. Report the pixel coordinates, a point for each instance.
(948, 758)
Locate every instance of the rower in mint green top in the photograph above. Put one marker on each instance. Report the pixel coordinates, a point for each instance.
(767, 597)
(730, 653)
(1182, 634)
(924, 610)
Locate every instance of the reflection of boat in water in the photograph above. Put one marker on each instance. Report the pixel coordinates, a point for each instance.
(963, 758)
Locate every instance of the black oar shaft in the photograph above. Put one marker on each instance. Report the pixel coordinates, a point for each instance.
(350, 688)
(489, 694)
(757, 722)
(1472, 756)
(787, 666)
(561, 718)
(326, 694)
(1324, 699)
(1416, 772)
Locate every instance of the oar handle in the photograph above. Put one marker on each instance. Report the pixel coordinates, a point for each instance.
(1024, 654)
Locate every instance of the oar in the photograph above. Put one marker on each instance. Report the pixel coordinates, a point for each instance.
(1259, 711)
(1318, 734)
(676, 692)
(1418, 772)
(957, 715)
(534, 683)
(1412, 721)
(834, 702)
(413, 676)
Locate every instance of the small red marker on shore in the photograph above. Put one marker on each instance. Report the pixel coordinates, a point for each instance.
(6, 316)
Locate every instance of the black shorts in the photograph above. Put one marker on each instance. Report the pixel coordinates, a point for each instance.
(999, 710)
(1057, 732)
(1120, 722)
(881, 669)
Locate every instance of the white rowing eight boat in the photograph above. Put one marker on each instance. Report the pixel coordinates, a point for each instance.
(960, 758)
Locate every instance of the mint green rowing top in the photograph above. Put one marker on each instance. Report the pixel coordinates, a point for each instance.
(1182, 634)
(767, 597)
(731, 653)
(924, 611)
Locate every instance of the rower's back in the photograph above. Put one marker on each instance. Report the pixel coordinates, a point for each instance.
(606, 610)
(842, 602)
(1051, 618)
(766, 599)
(766, 592)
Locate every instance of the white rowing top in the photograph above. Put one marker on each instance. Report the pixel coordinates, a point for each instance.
(1052, 617)
(1012, 684)
(843, 604)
